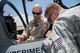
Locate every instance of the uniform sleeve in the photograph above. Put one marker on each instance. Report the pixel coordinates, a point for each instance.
(28, 29)
(42, 30)
(25, 32)
(63, 30)
(76, 20)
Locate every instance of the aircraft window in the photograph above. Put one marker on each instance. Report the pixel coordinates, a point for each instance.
(70, 3)
(11, 22)
(9, 10)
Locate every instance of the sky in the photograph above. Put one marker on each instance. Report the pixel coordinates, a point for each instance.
(29, 6)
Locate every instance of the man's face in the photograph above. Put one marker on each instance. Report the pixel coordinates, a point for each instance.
(37, 13)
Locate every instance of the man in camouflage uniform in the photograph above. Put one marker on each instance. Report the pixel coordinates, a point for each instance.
(37, 26)
(66, 29)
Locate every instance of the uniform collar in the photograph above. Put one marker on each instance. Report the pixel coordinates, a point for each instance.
(62, 11)
(37, 23)
(40, 20)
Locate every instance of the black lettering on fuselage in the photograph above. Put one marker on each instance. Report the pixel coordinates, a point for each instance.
(38, 50)
(19, 51)
(13, 52)
(23, 51)
(32, 50)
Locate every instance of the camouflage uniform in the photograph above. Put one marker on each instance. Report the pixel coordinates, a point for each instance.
(65, 28)
(36, 29)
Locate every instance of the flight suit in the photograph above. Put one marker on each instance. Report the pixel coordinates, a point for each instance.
(36, 29)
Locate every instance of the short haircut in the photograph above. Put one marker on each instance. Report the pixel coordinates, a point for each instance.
(37, 5)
